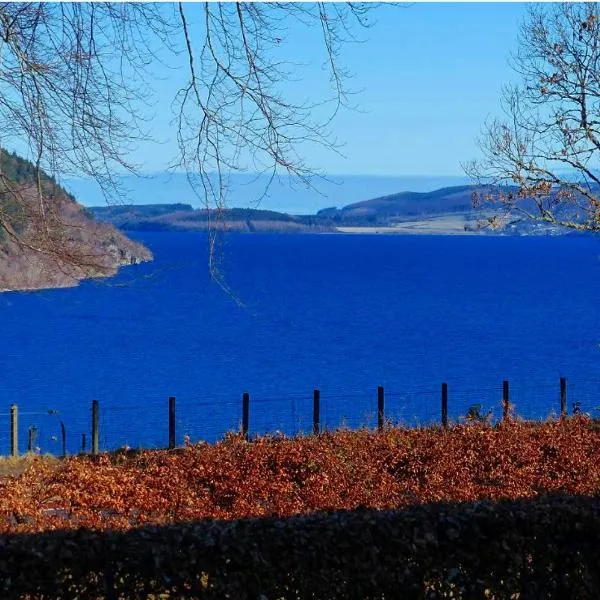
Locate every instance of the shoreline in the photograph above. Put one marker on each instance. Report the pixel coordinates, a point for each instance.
(383, 230)
(405, 231)
(72, 283)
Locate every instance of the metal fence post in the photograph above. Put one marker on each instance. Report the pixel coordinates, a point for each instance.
(245, 414)
(380, 408)
(31, 433)
(316, 412)
(95, 427)
(14, 430)
(445, 405)
(505, 400)
(563, 397)
(63, 435)
(171, 422)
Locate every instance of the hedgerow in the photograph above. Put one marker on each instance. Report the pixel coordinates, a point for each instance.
(528, 549)
(279, 477)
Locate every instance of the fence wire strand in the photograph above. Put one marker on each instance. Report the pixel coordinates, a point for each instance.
(202, 418)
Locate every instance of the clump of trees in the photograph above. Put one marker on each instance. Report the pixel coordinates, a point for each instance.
(541, 160)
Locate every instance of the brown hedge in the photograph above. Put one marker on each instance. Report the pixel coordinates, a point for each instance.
(530, 548)
(284, 477)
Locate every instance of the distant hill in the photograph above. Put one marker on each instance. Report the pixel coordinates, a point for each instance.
(182, 217)
(282, 194)
(447, 210)
(52, 241)
(385, 209)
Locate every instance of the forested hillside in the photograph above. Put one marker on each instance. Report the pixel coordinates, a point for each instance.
(46, 238)
(447, 210)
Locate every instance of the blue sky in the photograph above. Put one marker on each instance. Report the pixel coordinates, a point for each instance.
(429, 74)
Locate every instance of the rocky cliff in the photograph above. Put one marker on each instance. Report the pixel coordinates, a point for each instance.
(47, 239)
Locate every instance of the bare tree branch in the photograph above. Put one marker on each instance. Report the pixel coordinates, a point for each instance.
(548, 145)
(76, 85)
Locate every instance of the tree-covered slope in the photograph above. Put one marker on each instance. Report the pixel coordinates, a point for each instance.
(47, 239)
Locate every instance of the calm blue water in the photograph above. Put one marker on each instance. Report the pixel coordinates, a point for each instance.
(341, 313)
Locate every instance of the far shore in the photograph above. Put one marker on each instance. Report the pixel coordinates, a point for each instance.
(405, 230)
(434, 225)
(441, 224)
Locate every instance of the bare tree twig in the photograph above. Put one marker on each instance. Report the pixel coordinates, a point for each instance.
(548, 145)
(76, 83)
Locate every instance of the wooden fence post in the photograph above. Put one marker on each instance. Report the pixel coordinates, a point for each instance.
(316, 412)
(63, 436)
(14, 430)
(445, 405)
(380, 408)
(505, 400)
(95, 424)
(245, 414)
(563, 397)
(83, 442)
(171, 422)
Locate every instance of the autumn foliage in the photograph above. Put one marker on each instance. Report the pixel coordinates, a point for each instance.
(282, 477)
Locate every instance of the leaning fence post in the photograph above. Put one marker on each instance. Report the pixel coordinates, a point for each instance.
(171, 422)
(445, 405)
(505, 400)
(380, 408)
(245, 414)
(316, 412)
(95, 420)
(563, 397)
(14, 430)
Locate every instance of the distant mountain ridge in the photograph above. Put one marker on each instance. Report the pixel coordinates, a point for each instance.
(182, 217)
(384, 211)
(404, 204)
(446, 210)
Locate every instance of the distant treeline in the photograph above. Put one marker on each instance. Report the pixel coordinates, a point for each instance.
(161, 217)
(385, 211)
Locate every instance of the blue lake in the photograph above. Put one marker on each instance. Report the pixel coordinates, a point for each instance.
(341, 313)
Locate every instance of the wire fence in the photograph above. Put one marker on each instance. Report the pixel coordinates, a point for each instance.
(160, 422)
